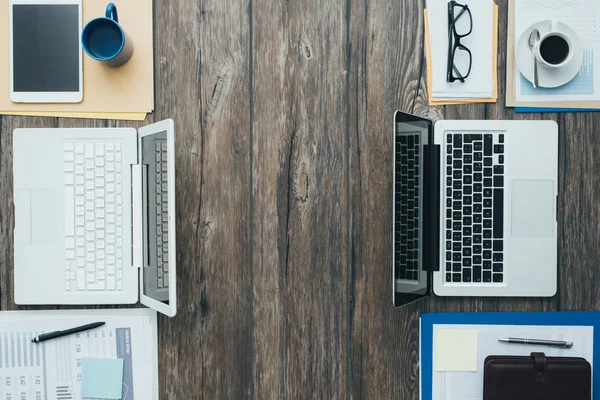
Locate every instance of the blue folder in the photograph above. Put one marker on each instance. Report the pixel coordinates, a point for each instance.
(564, 318)
(551, 110)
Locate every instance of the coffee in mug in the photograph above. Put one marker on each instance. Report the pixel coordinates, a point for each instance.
(554, 49)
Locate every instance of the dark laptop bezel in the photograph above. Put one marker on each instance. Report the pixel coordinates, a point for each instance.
(430, 210)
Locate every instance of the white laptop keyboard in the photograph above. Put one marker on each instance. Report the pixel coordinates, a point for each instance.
(93, 216)
(162, 216)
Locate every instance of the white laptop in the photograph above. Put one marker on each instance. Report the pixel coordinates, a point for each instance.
(95, 216)
(474, 208)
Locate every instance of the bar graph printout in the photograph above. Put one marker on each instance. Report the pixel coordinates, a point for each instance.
(52, 369)
(582, 16)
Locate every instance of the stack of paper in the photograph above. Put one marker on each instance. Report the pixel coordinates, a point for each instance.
(116, 361)
(481, 85)
(580, 94)
(125, 93)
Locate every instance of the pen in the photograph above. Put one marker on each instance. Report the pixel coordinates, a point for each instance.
(541, 342)
(57, 334)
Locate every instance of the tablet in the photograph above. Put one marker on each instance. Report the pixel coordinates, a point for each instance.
(45, 51)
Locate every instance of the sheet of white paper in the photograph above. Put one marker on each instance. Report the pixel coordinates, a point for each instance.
(469, 385)
(480, 83)
(451, 96)
(582, 16)
(455, 350)
(43, 371)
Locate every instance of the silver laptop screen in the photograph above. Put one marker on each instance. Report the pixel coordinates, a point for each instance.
(156, 272)
(411, 280)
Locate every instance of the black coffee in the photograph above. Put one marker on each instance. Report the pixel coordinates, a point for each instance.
(554, 49)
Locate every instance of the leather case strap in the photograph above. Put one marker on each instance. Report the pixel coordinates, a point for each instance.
(539, 366)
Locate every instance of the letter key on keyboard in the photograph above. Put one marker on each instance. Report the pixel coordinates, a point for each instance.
(474, 208)
(92, 208)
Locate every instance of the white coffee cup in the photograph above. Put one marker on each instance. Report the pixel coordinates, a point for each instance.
(555, 48)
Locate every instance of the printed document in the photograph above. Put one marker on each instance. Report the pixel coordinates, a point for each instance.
(52, 369)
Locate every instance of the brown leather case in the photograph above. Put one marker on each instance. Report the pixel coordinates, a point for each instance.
(536, 377)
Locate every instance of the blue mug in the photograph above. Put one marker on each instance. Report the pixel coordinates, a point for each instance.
(104, 40)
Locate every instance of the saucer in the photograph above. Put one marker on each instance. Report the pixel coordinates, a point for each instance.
(549, 77)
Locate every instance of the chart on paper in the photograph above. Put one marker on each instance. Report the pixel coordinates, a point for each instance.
(553, 4)
(21, 371)
(52, 370)
(582, 16)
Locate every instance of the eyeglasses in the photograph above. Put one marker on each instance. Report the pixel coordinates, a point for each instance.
(460, 24)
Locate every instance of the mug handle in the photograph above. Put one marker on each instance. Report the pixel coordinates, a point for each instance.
(111, 12)
(553, 24)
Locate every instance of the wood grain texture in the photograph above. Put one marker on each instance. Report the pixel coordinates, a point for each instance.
(579, 213)
(384, 67)
(283, 114)
(300, 193)
(202, 72)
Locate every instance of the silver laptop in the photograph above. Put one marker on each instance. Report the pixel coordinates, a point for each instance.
(474, 208)
(95, 216)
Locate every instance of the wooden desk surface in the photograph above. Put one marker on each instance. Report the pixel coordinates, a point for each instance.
(283, 113)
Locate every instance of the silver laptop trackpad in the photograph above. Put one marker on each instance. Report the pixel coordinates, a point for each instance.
(532, 208)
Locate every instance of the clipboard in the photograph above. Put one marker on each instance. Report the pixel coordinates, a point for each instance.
(563, 318)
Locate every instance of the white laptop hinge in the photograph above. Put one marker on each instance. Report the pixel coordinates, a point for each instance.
(136, 213)
(438, 136)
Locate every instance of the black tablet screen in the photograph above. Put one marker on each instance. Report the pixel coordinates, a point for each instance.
(46, 48)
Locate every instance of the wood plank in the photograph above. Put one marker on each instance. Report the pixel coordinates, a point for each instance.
(201, 70)
(384, 76)
(498, 110)
(579, 218)
(300, 203)
(7, 217)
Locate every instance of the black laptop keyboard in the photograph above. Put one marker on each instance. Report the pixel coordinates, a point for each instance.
(407, 208)
(474, 207)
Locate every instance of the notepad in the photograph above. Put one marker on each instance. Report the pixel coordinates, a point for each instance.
(437, 102)
(480, 82)
(456, 350)
(102, 378)
(467, 385)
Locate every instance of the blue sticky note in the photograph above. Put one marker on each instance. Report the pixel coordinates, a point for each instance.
(102, 378)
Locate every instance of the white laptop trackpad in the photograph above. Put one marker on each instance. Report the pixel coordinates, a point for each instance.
(532, 208)
(23, 216)
(43, 217)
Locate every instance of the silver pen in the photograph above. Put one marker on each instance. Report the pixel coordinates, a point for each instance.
(539, 342)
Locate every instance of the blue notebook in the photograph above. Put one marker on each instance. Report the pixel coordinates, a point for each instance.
(565, 318)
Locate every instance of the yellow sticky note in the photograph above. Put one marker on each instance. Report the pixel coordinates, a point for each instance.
(456, 350)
